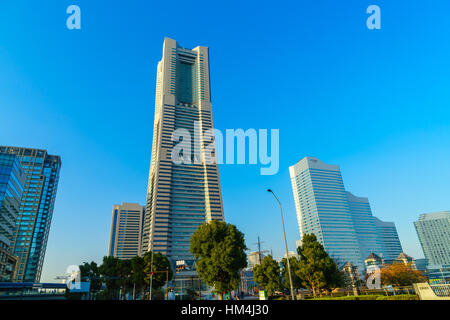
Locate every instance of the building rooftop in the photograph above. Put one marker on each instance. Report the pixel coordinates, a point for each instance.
(434, 215)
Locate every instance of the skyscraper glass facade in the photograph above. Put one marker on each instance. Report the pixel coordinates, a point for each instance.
(180, 196)
(11, 189)
(36, 210)
(433, 230)
(341, 221)
(323, 209)
(364, 224)
(388, 240)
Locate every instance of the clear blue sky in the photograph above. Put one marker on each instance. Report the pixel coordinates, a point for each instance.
(375, 102)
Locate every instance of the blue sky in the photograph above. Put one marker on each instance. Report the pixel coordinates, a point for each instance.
(375, 102)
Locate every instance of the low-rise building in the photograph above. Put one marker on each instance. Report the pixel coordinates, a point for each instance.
(404, 258)
(373, 262)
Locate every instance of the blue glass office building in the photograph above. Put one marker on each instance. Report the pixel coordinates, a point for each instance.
(36, 206)
(11, 189)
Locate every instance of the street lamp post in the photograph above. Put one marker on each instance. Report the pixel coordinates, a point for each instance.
(285, 243)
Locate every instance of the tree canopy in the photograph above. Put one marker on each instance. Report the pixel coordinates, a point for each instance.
(294, 266)
(110, 272)
(400, 274)
(317, 270)
(90, 272)
(125, 275)
(219, 249)
(267, 275)
(160, 264)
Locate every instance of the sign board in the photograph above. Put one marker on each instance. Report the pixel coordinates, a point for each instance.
(262, 295)
(82, 287)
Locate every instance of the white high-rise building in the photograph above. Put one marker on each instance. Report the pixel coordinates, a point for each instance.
(181, 196)
(322, 209)
(341, 221)
(433, 230)
(126, 230)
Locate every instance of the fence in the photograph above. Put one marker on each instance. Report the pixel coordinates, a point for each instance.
(388, 291)
(441, 290)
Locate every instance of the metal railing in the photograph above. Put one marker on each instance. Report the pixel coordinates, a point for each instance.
(441, 290)
(387, 291)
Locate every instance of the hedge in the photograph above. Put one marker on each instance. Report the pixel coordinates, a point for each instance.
(372, 297)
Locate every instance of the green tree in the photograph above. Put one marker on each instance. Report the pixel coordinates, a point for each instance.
(294, 265)
(138, 276)
(219, 249)
(110, 272)
(267, 275)
(124, 276)
(317, 269)
(90, 272)
(160, 265)
(334, 278)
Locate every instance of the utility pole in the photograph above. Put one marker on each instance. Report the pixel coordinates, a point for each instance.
(167, 284)
(151, 275)
(260, 252)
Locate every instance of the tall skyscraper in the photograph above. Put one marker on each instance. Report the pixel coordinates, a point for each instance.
(322, 209)
(433, 230)
(374, 235)
(12, 181)
(126, 230)
(341, 221)
(36, 210)
(182, 196)
(364, 224)
(388, 240)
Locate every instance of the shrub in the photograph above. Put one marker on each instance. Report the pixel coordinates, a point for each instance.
(372, 297)
(279, 298)
(399, 297)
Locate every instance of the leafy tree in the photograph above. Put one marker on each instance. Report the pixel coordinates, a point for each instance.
(294, 265)
(160, 264)
(124, 275)
(334, 277)
(219, 248)
(138, 276)
(400, 274)
(267, 275)
(316, 268)
(110, 272)
(90, 272)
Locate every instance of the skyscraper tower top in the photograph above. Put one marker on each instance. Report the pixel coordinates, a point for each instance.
(312, 163)
(183, 75)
